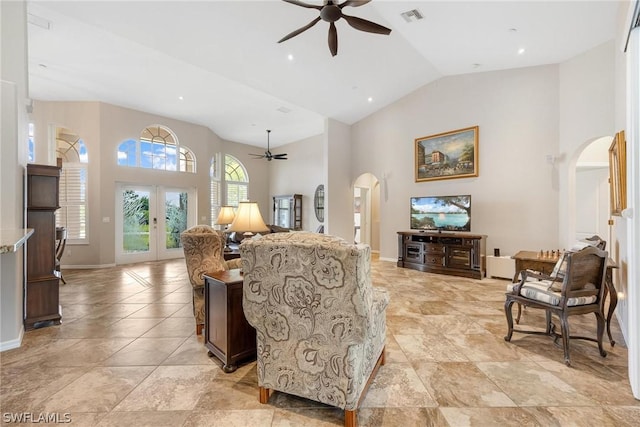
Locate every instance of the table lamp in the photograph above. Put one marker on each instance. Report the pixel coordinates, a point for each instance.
(226, 217)
(248, 219)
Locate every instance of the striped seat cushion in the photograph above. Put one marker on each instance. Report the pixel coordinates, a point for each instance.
(541, 290)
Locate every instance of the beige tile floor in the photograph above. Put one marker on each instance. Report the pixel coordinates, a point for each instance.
(126, 355)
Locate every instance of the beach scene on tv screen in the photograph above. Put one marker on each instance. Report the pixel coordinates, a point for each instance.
(451, 213)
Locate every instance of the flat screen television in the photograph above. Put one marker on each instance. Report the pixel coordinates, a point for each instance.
(444, 213)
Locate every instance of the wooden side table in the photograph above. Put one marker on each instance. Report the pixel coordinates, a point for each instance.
(529, 260)
(227, 334)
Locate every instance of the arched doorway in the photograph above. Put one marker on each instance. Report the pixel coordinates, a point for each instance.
(592, 211)
(366, 210)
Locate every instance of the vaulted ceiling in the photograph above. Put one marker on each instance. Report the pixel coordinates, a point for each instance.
(218, 63)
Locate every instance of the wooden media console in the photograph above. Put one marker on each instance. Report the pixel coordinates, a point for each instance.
(456, 254)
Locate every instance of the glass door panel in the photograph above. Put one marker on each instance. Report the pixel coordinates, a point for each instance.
(149, 221)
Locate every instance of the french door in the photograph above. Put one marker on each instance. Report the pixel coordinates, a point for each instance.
(149, 220)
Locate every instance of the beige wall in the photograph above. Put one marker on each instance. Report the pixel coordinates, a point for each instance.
(13, 145)
(300, 174)
(515, 196)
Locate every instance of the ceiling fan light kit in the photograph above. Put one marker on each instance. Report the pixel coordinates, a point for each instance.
(332, 12)
(267, 154)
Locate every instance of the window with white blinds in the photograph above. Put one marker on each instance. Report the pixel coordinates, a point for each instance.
(215, 188)
(74, 209)
(236, 183)
(73, 201)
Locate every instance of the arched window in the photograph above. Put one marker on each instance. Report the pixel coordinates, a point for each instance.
(236, 183)
(74, 209)
(157, 148)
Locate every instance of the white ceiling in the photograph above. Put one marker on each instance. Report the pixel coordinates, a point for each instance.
(223, 59)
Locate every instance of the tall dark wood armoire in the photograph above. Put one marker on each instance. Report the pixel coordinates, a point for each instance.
(41, 295)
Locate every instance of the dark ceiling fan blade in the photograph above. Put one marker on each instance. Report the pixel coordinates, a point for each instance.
(364, 25)
(301, 4)
(257, 156)
(333, 39)
(299, 30)
(354, 3)
(282, 156)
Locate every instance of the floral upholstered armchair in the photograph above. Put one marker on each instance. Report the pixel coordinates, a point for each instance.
(320, 323)
(203, 253)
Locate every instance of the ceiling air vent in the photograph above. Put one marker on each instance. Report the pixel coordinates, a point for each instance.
(412, 15)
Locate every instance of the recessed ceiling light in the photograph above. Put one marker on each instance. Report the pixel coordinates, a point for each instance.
(290, 57)
(369, 99)
(181, 98)
(513, 30)
(476, 65)
(520, 51)
(42, 65)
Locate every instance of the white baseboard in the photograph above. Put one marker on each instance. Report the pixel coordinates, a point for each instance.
(388, 259)
(11, 344)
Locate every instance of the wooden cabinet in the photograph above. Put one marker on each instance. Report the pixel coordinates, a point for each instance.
(457, 254)
(287, 211)
(42, 306)
(227, 334)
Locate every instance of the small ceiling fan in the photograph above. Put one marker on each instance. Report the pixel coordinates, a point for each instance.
(331, 12)
(267, 154)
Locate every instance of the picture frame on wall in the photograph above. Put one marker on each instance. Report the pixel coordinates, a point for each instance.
(447, 155)
(618, 174)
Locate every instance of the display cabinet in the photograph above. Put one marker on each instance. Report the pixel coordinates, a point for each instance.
(43, 278)
(287, 211)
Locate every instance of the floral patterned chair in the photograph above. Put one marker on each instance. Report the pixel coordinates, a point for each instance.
(203, 252)
(320, 323)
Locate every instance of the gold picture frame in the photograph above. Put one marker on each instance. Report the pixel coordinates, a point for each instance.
(447, 155)
(618, 174)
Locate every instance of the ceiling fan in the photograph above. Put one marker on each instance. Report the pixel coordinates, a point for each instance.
(267, 154)
(331, 12)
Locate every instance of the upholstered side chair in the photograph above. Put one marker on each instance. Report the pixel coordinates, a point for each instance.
(320, 323)
(580, 290)
(203, 253)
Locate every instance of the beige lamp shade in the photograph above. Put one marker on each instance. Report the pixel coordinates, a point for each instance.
(248, 219)
(226, 215)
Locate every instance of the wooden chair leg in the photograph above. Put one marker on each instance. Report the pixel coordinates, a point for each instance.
(350, 419)
(263, 394)
(199, 329)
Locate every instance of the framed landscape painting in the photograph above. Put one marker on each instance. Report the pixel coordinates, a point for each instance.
(447, 155)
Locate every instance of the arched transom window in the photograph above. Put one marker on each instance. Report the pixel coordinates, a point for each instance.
(158, 148)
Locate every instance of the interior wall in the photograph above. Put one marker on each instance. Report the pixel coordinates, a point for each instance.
(13, 145)
(515, 196)
(587, 94)
(300, 174)
(338, 200)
